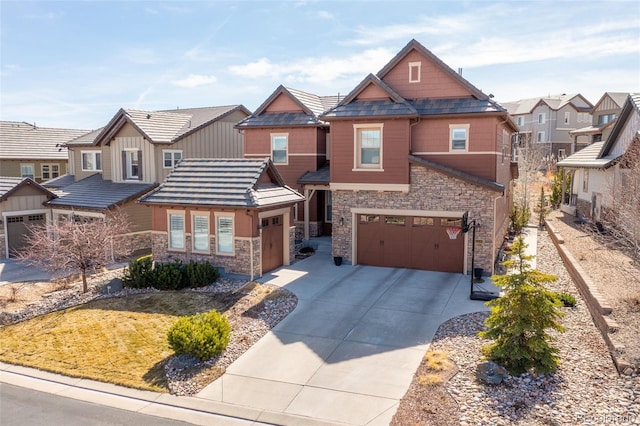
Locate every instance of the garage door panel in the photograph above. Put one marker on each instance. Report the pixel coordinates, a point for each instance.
(18, 229)
(423, 243)
(369, 240)
(395, 241)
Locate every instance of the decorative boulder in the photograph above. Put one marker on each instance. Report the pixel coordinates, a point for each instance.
(491, 373)
(113, 286)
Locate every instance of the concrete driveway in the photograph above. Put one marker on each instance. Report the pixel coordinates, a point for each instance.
(12, 271)
(348, 352)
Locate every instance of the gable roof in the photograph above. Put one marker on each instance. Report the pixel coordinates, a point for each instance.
(20, 140)
(312, 107)
(415, 45)
(617, 98)
(459, 174)
(168, 126)
(9, 185)
(223, 183)
(322, 176)
(632, 103)
(95, 193)
(554, 102)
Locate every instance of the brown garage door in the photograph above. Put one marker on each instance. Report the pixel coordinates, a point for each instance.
(409, 242)
(18, 228)
(272, 243)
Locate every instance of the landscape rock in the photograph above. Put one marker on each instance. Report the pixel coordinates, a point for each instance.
(491, 373)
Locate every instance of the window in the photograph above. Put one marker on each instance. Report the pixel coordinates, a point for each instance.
(459, 136)
(132, 160)
(540, 137)
(605, 118)
(279, 144)
(505, 145)
(422, 221)
(224, 234)
(567, 117)
(395, 220)
(328, 214)
(561, 154)
(414, 72)
(368, 146)
(171, 158)
(541, 118)
(367, 218)
(27, 170)
(91, 161)
(520, 121)
(50, 171)
(585, 180)
(200, 234)
(176, 231)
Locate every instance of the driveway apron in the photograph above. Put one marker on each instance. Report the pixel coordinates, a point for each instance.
(348, 352)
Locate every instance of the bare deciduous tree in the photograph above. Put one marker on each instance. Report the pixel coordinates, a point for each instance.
(531, 158)
(77, 244)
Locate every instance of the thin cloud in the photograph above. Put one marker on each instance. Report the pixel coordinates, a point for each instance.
(195, 80)
(323, 14)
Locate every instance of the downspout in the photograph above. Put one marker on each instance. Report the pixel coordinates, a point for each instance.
(250, 244)
(411, 134)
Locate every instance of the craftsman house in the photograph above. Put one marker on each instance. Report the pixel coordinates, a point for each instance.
(133, 153)
(286, 129)
(413, 148)
(603, 115)
(598, 170)
(234, 213)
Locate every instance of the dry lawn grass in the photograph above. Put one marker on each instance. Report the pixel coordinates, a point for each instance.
(117, 340)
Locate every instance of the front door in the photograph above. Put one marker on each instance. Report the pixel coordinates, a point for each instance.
(272, 243)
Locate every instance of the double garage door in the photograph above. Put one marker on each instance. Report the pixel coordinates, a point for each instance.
(18, 228)
(415, 242)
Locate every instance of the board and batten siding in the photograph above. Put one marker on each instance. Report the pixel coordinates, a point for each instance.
(139, 216)
(625, 137)
(19, 203)
(121, 144)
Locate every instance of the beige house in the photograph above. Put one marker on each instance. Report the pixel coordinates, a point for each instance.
(27, 150)
(133, 153)
(603, 116)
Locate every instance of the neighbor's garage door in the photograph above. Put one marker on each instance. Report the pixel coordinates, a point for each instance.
(409, 242)
(17, 229)
(272, 243)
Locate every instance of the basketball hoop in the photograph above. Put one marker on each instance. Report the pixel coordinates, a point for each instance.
(453, 232)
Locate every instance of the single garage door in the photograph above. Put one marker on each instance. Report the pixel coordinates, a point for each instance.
(272, 243)
(18, 228)
(409, 242)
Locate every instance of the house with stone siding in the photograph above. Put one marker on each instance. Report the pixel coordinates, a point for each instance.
(413, 148)
(233, 213)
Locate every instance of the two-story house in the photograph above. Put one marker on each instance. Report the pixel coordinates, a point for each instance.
(286, 129)
(549, 120)
(413, 149)
(113, 166)
(603, 115)
(27, 150)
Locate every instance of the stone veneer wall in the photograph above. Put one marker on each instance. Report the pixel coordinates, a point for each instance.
(429, 191)
(3, 254)
(138, 240)
(292, 244)
(583, 208)
(315, 230)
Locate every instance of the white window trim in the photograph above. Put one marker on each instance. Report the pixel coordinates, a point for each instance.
(173, 160)
(184, 230)
(42, 166)
(520, 121)
(33, 170)
(540, 139)
(357, 166)
(195, 214)
(567, 117)
(286, 135)
(126, 163)
(466, 145)
(542, 118)
(93, 153)
(413, 65)
(233, 233)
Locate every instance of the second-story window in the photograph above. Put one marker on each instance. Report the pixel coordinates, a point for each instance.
(459, 137)
(567, 117)
(171, 157)
(368, 146)
(279, 145)
(50, 171)
(541, 118)
(27, 170)
(91, 161)
(132, 164)
(520, 121)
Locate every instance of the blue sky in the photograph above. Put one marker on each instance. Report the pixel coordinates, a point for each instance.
(74, 64)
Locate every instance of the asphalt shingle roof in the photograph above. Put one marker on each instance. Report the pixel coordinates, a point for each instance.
(223, 183)
(319, 177)
(455, 106)
(279, 119)
(19, 140)
(95, 193)
(374, 108)
(525, 106)
(59, 182)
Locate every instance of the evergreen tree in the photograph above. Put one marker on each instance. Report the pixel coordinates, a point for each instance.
(541, 208)
(519, 320)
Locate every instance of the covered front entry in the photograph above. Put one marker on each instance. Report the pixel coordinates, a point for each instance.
(409, 242)
(272, 243)
(18, 229)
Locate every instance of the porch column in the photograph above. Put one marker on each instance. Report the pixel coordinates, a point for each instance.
(307, 197)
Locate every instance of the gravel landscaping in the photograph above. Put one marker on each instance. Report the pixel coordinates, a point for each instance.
(586, 388)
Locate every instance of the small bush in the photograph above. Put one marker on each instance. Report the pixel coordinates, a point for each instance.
(200, 274)
(307, 249)
(567, 299)
(139, 273)
(169, 276)
(202, 336)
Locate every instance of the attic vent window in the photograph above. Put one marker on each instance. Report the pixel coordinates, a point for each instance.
(414, 72)
(148, 116)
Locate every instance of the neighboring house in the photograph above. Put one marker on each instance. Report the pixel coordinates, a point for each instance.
(603, 115)
(34, 152)
(549, 120)
(596, 168)
(286, 129)
(412, 149)
(234, 213)
(21, 206)
(133, 153)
